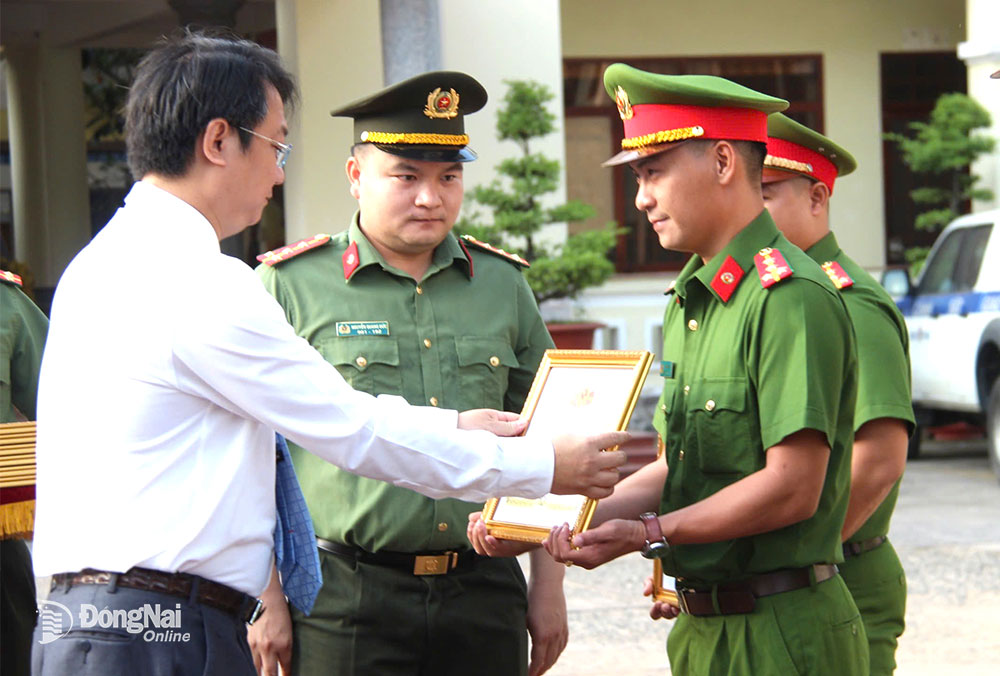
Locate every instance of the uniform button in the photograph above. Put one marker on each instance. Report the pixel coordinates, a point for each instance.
(710, 405)
(427, 342)
(687, 389)
(494, 361)
(663, 407)
(693, 324)
(420, 290)
(442, 526)
(361, 361)
(681, 454)
(434, 401)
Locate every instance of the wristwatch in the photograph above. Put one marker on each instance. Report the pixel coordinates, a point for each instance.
(656, 545)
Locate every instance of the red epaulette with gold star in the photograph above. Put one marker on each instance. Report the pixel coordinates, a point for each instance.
(771, 266)
(840, 279)
(272, 258)
(513, 258)
(10, 277)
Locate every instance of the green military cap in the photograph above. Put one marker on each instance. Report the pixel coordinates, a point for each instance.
(662, 110)
(794, 148)
(422, 118)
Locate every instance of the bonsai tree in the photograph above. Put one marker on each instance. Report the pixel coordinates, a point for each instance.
(945, 146)
(556, 271)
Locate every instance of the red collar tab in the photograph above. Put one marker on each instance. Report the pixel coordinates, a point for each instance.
(771, 266)
(782, 154)
(468, 257)
(351, 260)
(840, 279)
(272, 258)
(657, 123)
(727, 278)
(513, 258)
(11, 277)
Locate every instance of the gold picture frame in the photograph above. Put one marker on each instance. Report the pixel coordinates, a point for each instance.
(578, 391)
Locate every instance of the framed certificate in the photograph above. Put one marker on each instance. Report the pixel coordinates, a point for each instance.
(579, 392)
(663, 590)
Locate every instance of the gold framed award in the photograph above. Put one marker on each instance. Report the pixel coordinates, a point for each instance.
(662, 591)
(579, 392)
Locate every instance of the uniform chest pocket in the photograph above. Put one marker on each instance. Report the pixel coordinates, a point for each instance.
(717, 414)
(368, 364)
(483, 366)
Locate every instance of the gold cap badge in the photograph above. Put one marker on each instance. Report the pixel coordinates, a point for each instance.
(624, 106)
(442, 105)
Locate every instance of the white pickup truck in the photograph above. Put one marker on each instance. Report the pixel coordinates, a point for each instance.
(953, 316)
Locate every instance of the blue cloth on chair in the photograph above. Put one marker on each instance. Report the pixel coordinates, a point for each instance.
(294, 538)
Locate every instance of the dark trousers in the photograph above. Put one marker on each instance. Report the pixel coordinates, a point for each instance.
(372, 620)
(98, 630)
(17, 608)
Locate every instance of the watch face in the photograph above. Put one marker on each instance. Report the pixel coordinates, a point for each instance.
(654, 550)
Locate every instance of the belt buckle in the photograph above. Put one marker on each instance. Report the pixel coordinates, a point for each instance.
(258, 610)
(682, 601)
(439, 564)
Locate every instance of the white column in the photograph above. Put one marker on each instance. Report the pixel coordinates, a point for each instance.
(981, 53)
(51, 201)
(334, 48)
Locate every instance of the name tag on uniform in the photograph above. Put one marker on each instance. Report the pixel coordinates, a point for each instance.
(362, 328)
(667, 369)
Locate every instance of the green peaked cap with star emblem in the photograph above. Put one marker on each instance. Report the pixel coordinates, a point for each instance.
(795, 148)
(421, 118)
(661, 110)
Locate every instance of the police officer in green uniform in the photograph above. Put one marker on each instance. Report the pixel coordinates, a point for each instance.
(799, 173)
(759, 372)
(402, 306)
(22, 336)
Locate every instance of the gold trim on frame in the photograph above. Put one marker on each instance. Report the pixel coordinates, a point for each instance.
(635, 362)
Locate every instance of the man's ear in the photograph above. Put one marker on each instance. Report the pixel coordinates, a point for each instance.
(724, 162)
(214, 141)
(819, 197)
(353, 169)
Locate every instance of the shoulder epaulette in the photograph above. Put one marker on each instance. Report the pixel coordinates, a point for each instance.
(771, 266)
(272, 258)
(11, 278)
(840, 279)
(513, 258)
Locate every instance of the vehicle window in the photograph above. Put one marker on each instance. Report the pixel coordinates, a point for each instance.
(938, 277)
(971, 257)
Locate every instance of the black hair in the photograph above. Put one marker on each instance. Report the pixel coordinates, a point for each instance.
(185, 83)
(752, 152)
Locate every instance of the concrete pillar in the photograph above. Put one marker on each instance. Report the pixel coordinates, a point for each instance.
(411, 38)
(51, 201)
(334, 48)
(981, 53)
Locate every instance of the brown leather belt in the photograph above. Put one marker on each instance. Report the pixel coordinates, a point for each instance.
(736, 598)
(856, 548)
(243, 606)
(427, 563)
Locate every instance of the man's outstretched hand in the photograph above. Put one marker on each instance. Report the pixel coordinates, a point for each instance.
(583, 468)
(500, 423)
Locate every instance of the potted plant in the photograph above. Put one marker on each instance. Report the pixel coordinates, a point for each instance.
(515, 199)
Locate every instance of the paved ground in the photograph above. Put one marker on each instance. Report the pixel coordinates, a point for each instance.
(946, 530)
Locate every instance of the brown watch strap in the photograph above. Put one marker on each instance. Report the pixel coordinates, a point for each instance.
(652, 524)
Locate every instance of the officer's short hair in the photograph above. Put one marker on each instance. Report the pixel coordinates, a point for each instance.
(752, 153)
(185, 83)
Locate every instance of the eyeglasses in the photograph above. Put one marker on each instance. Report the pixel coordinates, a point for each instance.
(281, 150)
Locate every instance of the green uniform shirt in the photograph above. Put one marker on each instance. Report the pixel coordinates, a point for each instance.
(747, 373)
(468, 335)
(23, 328)
(883, 360)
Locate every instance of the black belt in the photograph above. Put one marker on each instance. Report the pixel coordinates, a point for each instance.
(425, 563)
(735, 598)
(856, 548)
(219, 596)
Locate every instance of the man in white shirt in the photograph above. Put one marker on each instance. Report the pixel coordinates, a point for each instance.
(168, 369)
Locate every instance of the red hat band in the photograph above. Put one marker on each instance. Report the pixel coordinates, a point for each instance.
(655, 123)
(783, 154)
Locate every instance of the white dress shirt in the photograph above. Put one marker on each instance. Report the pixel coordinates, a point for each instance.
(167, 370)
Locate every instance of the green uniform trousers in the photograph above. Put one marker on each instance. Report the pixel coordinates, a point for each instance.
(17, 608)
(372, 620)
(814, 631)
(878, 584)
